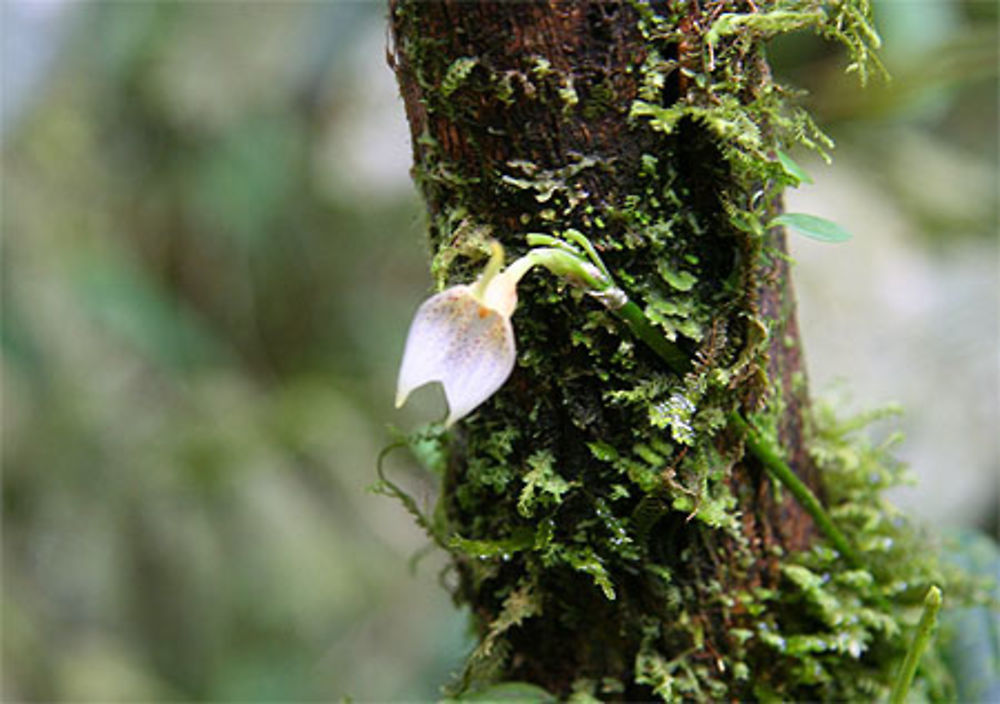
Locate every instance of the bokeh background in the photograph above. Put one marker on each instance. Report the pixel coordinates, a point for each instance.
(211, 251)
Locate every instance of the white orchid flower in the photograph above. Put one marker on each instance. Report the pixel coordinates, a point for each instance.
(462, 338)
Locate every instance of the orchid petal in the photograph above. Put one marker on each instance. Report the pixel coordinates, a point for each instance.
(466, 346)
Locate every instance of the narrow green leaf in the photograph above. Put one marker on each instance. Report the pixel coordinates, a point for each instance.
(793, 169)
(813, 227)
(925, 629)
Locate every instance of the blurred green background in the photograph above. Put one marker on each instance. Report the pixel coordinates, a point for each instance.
(211, 252)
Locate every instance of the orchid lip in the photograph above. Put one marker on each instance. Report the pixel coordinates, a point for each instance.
(462, 337)
(458, 341)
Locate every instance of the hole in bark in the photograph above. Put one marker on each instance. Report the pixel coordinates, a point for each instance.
(705, 171)
(672, 86)
(600, 18)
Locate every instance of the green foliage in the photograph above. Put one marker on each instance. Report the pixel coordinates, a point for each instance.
(793, 169)
(457, 73)
(846, 617)
(488, 660)
(921, 639)
(756, 133)
(670, 680)
(852, 616)
(848, 23)
(811, 226)
(542, 485)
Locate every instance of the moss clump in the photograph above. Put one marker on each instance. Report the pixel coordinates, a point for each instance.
(839, 632)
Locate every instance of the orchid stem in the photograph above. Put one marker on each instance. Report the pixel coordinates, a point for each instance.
(779, 469)
(925, 628)
(641, 327)
(764, 451)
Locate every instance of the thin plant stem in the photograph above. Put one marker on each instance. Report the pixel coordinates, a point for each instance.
(925, 629)
(641, 327)
(779, 469)
(764, 451)
(679, 362)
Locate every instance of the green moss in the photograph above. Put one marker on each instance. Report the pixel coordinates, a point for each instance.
(840, 633)
(567, 93)
(487, 661)
(542, 485)
(554, 186)
(754, 122)
(679, 280)
(456, 74)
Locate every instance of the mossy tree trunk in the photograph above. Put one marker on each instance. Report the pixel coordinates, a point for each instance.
(610, 535)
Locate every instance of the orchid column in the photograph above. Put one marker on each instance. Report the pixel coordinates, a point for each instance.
(608, 533)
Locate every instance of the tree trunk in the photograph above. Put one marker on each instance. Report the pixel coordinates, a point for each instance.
(609, 535)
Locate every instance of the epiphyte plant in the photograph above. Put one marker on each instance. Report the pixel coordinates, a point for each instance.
(462, 337)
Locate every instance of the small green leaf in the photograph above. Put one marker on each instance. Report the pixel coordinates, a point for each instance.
(520, 539)
(585, 560)
(603, 451)
(813, 227)
(679, 279)
(793, 169)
